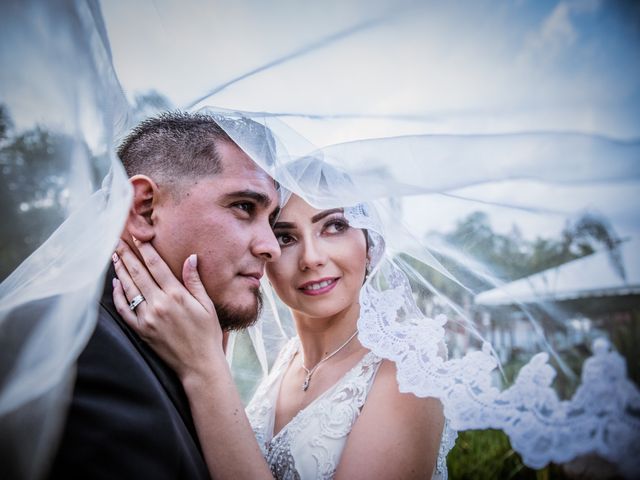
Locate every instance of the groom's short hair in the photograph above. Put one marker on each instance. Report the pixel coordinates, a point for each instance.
(173, 146)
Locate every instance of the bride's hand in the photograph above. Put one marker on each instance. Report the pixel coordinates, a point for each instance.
(179, 323)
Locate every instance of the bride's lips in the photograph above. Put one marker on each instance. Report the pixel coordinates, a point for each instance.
(320, 286)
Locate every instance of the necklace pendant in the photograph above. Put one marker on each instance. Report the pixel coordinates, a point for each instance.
(305, 384)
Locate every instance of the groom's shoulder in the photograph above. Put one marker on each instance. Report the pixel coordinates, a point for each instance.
(113, 380)
(111, 357)
(110, 343)
(120, 422)
(116, 366)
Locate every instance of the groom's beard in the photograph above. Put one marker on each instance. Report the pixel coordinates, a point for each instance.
(238, 318)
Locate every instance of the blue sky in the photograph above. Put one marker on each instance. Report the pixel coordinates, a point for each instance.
(470, 67)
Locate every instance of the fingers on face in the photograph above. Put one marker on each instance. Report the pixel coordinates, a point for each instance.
(135, 276)
(125, 290)
(155, 279)
(122, 304)
(193, 283)
(128, 286)
(158, 268)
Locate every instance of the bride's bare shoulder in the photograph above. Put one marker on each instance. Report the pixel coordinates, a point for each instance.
(385, 390)
(390, 420)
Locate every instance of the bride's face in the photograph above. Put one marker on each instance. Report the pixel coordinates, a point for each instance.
(323, 261)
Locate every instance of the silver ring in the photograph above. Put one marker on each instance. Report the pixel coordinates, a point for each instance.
(137, 300)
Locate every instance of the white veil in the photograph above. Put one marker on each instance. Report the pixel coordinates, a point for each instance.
(525, 110)
(601, 414)
(61, 106)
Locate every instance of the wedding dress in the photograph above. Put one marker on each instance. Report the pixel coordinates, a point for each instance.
(310, 445)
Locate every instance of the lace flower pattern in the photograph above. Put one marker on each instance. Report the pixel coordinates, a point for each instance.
(601, 417)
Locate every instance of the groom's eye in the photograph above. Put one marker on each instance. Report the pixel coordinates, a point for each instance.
(247, 207)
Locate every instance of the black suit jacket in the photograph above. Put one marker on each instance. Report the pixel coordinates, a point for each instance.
(129, 416)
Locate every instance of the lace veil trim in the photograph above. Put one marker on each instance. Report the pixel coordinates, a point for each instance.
(603, 416)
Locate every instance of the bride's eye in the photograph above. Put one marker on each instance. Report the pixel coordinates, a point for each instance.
(337, 225)
(284, 239)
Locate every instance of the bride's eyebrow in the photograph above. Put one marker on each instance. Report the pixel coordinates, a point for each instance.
(319, 216)
(316, 218)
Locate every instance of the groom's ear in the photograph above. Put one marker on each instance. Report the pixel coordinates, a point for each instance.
(140, 222)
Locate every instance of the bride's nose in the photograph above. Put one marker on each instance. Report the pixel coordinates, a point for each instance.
(313, 255)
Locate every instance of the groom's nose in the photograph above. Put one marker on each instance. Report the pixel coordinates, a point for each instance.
(265, 245)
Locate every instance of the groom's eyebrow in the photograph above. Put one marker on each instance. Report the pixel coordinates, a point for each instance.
(258, 197)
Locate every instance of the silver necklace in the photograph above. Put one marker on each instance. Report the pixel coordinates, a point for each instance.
(307, 380)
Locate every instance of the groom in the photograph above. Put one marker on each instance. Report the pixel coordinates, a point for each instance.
(194, 191)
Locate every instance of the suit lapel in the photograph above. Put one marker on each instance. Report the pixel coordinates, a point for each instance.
(163, 373)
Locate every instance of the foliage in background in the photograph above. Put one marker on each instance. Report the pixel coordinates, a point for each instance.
(33, 184)
(148, 104)
(487, 455)
(32, 191)
(626, 339)
(504, 258)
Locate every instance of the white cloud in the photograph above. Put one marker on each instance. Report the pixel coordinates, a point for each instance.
(557, 33)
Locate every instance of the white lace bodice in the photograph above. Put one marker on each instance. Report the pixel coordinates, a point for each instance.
(311, 444)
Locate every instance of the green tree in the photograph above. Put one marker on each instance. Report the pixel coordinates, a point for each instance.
(6, 125)
(33, 191)
(511, 256)
(147, 104)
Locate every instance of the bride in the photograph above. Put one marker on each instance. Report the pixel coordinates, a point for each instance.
(330, 407)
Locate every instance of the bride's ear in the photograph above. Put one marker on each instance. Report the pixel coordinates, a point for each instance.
(140, 222)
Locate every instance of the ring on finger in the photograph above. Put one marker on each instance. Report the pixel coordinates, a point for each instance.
(137, 300)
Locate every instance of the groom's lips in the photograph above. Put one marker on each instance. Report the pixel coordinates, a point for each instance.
(252, 277)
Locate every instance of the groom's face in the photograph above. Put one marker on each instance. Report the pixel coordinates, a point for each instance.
(226, 220)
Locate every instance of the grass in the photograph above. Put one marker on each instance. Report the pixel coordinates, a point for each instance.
(487, 454)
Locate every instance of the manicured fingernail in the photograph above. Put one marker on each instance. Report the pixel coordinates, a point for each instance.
(115, 257)
(135, 240)
(193, 260)
(114, 282)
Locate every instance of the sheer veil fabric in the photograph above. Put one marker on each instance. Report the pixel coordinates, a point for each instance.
(407, 114)
(62, 108)
(599, 417)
